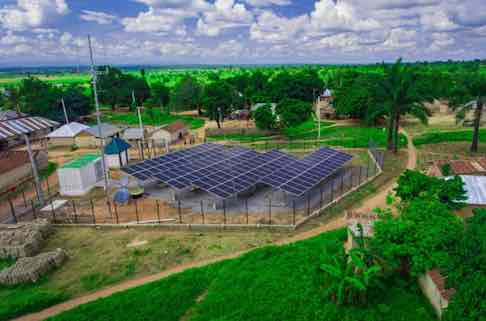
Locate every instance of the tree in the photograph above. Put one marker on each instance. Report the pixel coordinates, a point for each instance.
(39, 98)
(219, 99)
(160, 94)
(10, 97)
(264, 117)
(399, 95)
(300, 85)
(414, 184)
(293, 112)
(420, 238)
(470, 95)
(187, 95)
(351, 277)
(77, 103)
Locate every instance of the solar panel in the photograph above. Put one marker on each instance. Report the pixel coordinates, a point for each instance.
(225, 172)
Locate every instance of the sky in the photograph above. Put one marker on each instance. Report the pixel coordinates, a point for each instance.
(54, 32)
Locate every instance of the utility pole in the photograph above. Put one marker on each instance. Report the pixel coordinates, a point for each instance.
(98, 116)
(40, 193)
(140, 123)
(65, 112)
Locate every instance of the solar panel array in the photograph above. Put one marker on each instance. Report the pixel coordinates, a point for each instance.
(225, 172)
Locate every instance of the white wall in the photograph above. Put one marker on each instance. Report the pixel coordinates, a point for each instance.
(78, 181)
(113, 161)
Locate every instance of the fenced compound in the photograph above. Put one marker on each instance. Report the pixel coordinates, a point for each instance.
(263, 209)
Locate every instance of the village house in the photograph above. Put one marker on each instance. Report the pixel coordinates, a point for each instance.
(169, 133)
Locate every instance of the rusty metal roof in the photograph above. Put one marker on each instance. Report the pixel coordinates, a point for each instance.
(26, 125)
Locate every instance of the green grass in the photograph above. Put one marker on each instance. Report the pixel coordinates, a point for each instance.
(268, 284)
(452, 136)
(49, 170)
(240, 138)
(307, 127)
(159, 118)
(22, 299)
(5, 263)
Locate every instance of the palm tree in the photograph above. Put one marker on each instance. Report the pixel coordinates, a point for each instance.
(472, 90)
(400, 96)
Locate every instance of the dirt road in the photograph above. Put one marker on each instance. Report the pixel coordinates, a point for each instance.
(369, 204)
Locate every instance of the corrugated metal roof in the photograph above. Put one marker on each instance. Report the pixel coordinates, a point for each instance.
(475, 187)
(68, 130)
(107, 130)
(14, 127)
(10, 114)
(132, 133)
(82, 161)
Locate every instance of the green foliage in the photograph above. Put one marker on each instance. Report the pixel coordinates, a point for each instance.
(115, 87)
(351, 276)
(420, 238)
(27, 298)
(468, 303)
(186, 95)
(160, 94)
(446, 169)
(219, 99)
(5, 263)
(49, 170)
(264, 117)
(293, 112)
(158, 118)
(414, 184)
(301, 85)
(400, 95)
(268, 284)
(446, 137)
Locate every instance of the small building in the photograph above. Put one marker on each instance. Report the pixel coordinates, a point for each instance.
(433, 287)
(12, 130)
(475, 187)
(323, 106)
(67, 134)
(79, 176)
(169, 133)
(91, 137)
(116, 153)
(458, 167)
(359, 225)
(15, 167)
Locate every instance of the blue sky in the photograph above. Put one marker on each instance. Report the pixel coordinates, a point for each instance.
(54, 32)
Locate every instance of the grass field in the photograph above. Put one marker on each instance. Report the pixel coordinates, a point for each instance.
(448, 136)
(271, 283)
(98, 258)
(159, 118)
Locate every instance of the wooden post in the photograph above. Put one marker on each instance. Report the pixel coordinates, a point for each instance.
(92, 210)
(246, 209)
(270, 211)
(116, 212)
(25, 200)
(321, 199)
(53, 213)
(33, 209)
(332, 189)
(48, 187)
(308, 204)
(12, 210)
(224, 212)
(202, 212)
(180, 211)
(158, 210)
(37, 182)
(136, 210)
(293, 216)
(74, 211)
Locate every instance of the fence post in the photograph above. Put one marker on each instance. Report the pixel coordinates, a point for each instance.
(136, 211)
(116, 212)
(270, 211)
(246, 209)
(48, 187)
(342, 182)
(92, 210)
(74, 210)
(33, 209)
(23, 196)
(158, 210)
(202, 212)
(332, 190)
(293, 214)
(12, 210)
(179, 211)
(321, 196)
(53, 213)
(308, 204)
(224, 212)
(368, 167)
(360, 169)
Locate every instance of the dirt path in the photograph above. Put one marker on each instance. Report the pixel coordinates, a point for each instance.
(369, 204)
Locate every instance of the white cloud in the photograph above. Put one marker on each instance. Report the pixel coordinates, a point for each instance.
(11, 39)
(399, 39)
(329, 15)
(31, 13)
(267, 3)
(224, 14)
(437, 21)
(101, 18)
(272, 28)
(155, 20)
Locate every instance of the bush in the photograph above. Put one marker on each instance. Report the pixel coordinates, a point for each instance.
(446, 137)
(264, 117)
(293, 112)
